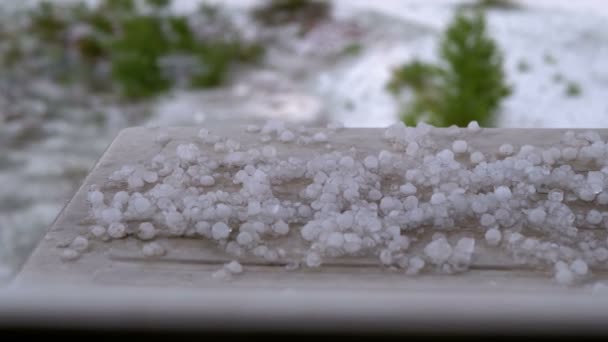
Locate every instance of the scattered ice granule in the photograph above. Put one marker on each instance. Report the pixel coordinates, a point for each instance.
(537, 215)
(506, 149)
(207, 180)
(287, 136)
(111, 215)
(120, 198)
(69, 254)
(117, 230)
(150, 177)
(371, 162)
(459, 146)
(269, 152)
(222, 274)
(594, 217)
(162, 138)
(502, 193)
(477, 157)
(556, 196)
(220, 231)
(187, 152)
(152, 249)
(473, 126)
(438, 251)
(408, 189)
(415, 265)
(579, 267)
(599, 288)
(313, 260)
(280, 227)
(386, 257)
(493, 236)
(234, 267)
(80, 244)
(463, 251)
(95, 198)
(252, 128)
(146, 231)
(320, 137)
(97, 231)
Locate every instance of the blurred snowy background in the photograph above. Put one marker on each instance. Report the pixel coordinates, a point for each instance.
(328, 64)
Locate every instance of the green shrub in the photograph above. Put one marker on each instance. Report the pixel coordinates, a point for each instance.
(573, 89)
(133, 43)
(467, 85)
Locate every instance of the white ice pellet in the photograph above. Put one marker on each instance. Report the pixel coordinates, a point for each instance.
(69, 255)
(564, 276)
(408, 189)
(438, 198)
(506, 149)
(95, 198)
(487, 220)
(117, 230)
(477, 157)
(313, 259)
(80, 244)
(438, 251)
(146, 231)
(220, 231)
(386, 257)
(207, 181)
(537, 215)
(152, 249)
(374, 195)
(97, 231)
(111, 215)
(244, 238)
(493, 236)
(150, 177)
(502, 193)
(280, 227)
(371, 162)
(234, 267)
(594, 217)
(473, 126)
(459, 146)
(579, 267)
(162, 138)
(414, 266)
(555, 196)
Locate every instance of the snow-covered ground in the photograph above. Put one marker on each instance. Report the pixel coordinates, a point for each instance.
(307, 80)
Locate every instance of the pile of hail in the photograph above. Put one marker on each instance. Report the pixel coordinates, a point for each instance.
(415, 205)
